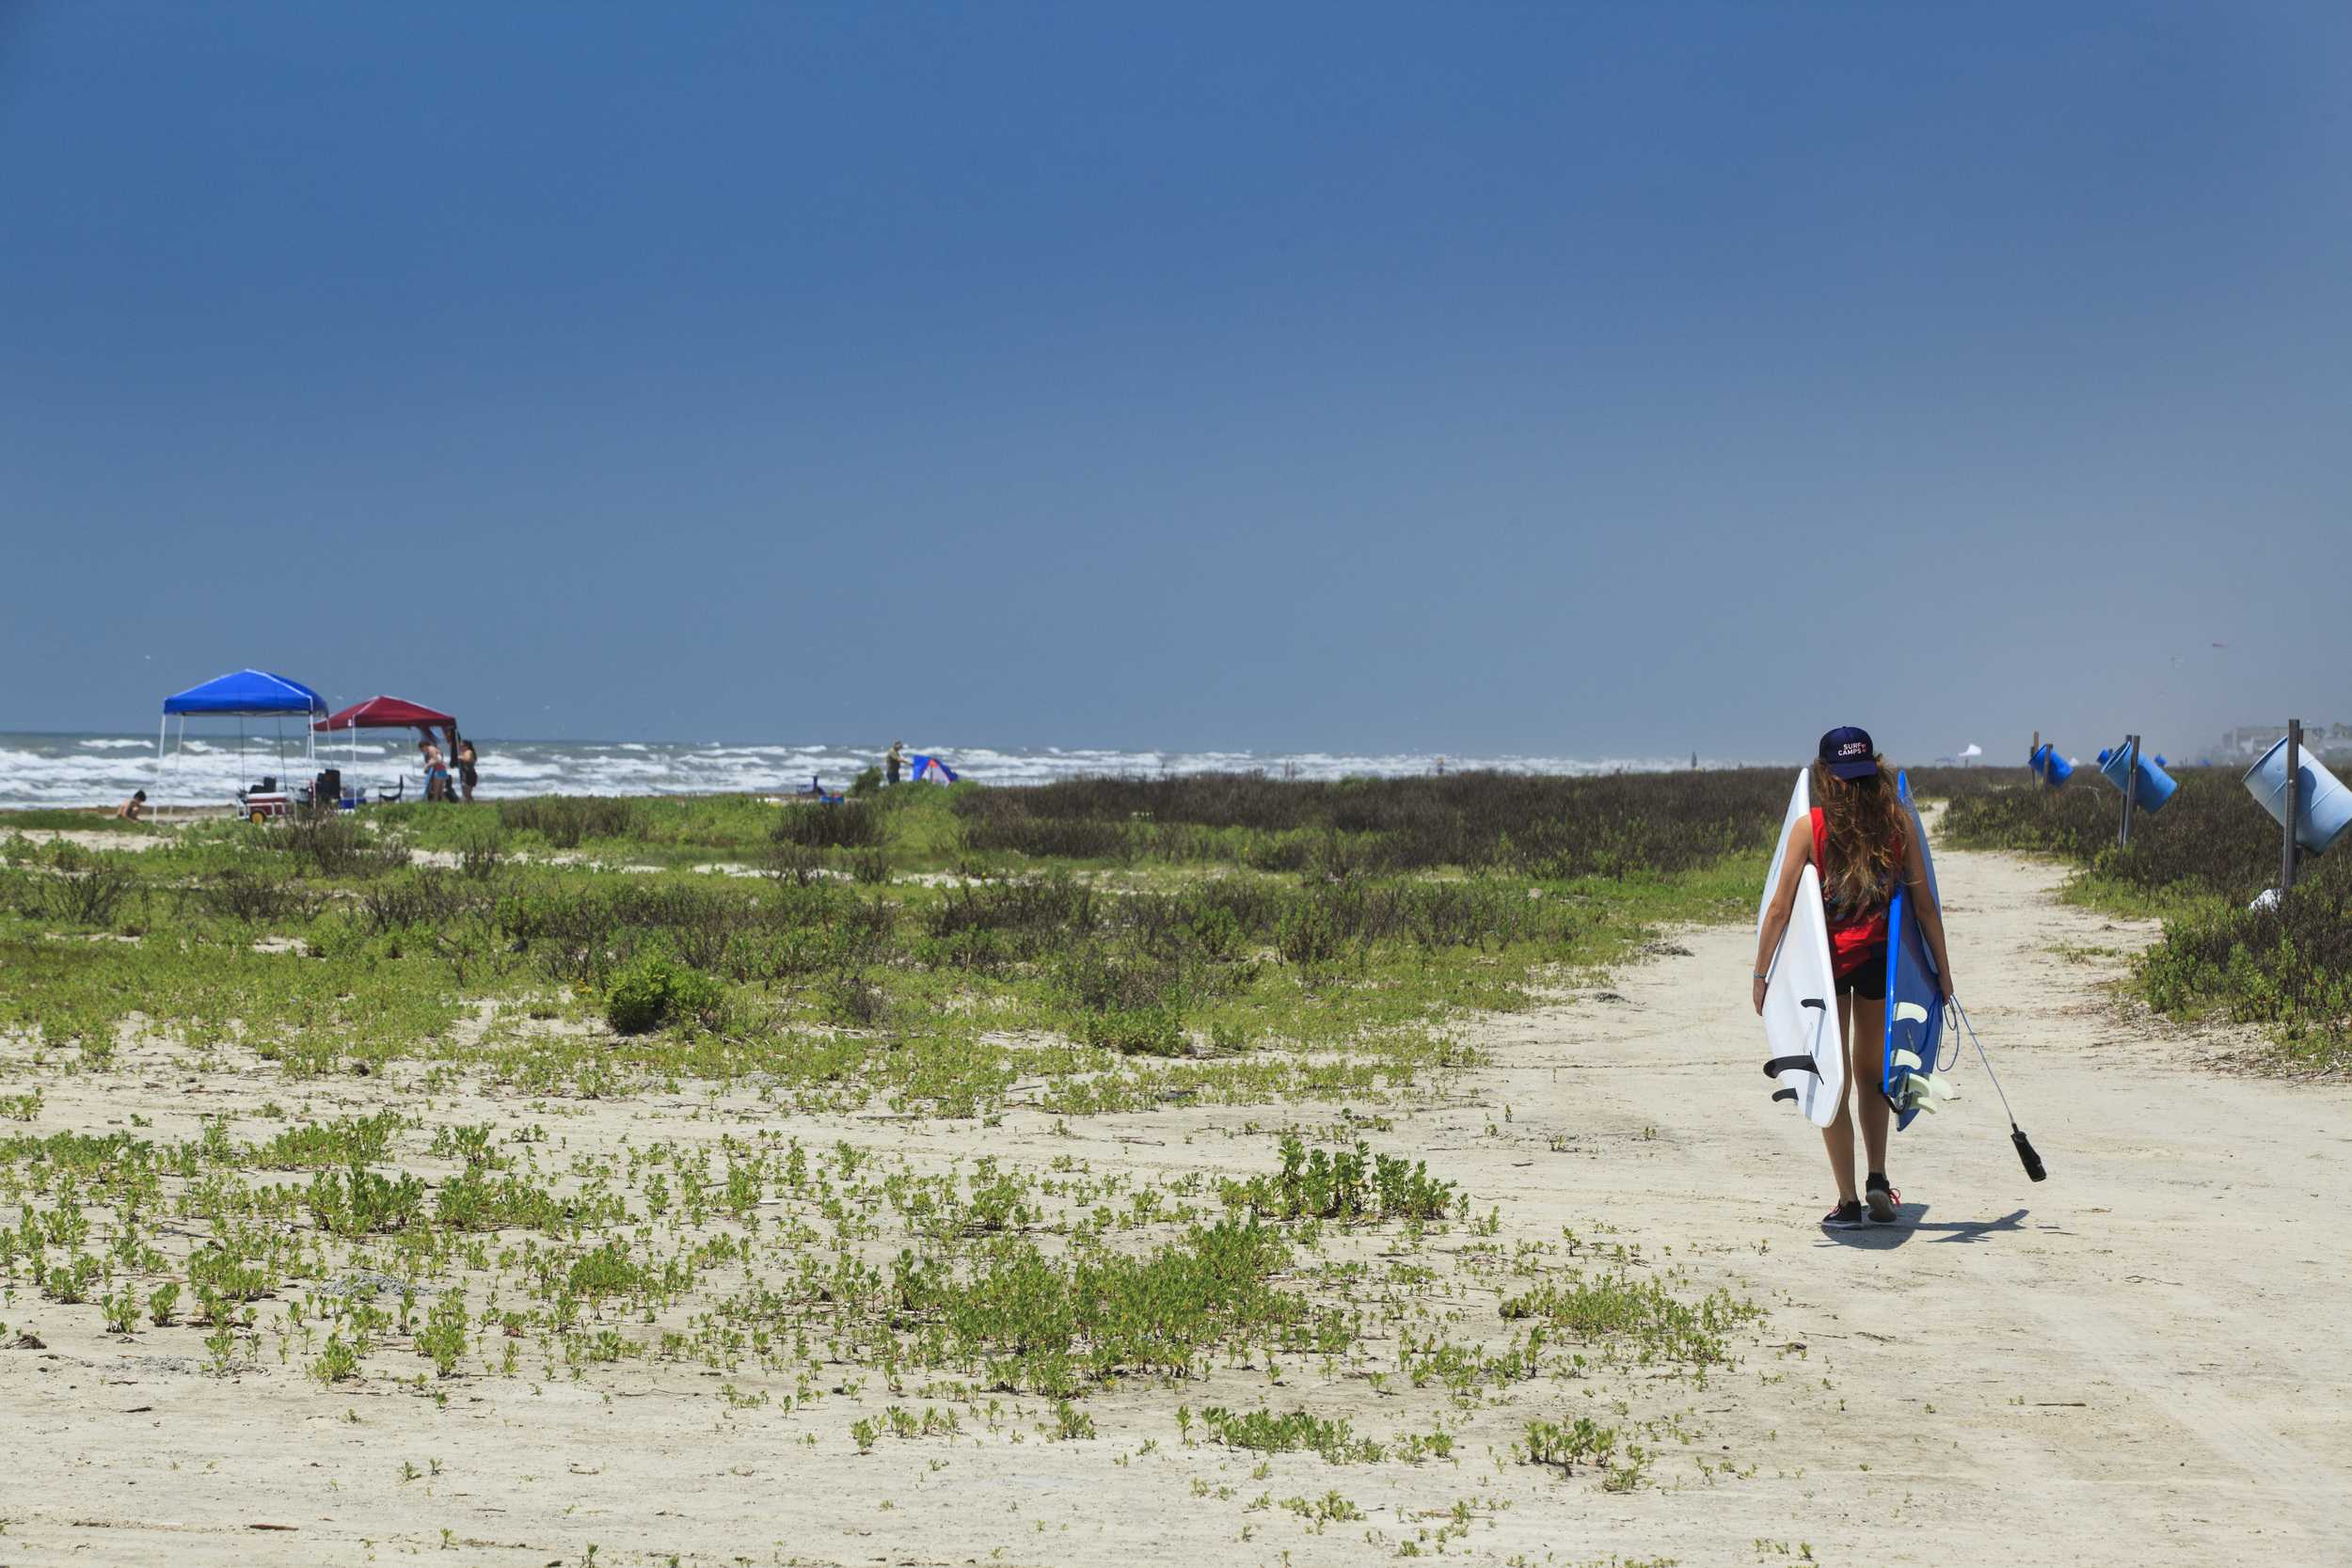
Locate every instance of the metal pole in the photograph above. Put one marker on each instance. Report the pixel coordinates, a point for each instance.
(2131, 786)
(2294, 768)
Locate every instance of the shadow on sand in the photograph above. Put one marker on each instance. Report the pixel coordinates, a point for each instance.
(1910, 1220)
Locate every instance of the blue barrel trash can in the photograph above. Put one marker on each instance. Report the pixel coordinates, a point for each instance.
(2323, 807)
(2156, 784)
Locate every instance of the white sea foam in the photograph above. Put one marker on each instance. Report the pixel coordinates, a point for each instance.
(49, 771)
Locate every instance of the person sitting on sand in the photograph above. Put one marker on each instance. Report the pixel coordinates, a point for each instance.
(894, 761)
(1860, 839)
(134, 808)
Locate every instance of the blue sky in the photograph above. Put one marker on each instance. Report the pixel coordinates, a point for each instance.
(1568, 379)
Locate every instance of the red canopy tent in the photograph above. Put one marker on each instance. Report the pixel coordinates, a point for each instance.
(389, 713)
(385, 713)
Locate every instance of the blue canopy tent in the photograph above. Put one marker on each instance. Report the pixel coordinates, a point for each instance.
(246, 694)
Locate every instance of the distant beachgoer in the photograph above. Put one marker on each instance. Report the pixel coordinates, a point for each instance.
(893, 763)
(1860, 838)
(133, 809)
(468, 774)
(436, 771)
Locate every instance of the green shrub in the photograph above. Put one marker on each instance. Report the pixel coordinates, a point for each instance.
(1310, 933)
(564, 821)
(443, 1337)
(2286, 964)
(698, 999)
(654, 990)
(638, 999)
(1350, 1184)
(850, 825)
(1547, 826)
(1136, 1032)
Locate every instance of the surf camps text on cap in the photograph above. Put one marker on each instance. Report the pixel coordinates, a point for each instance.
(1849, 752)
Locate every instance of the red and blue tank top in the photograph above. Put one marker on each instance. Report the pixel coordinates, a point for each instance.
(1858, 936)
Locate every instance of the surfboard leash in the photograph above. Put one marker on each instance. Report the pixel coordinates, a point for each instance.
(2026, 1155)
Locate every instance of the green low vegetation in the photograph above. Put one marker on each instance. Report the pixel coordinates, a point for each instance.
(80, 821)
(544, 1089)
(897, 960)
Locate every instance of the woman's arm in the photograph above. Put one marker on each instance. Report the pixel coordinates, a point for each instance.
(1923, 900)
(1794, 855)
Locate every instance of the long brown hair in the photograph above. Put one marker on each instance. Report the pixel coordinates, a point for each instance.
(1864, 826)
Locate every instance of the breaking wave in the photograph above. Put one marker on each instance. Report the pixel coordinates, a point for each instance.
(83, 771)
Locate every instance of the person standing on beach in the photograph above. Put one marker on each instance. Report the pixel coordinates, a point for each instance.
(468, 774)
(1860, 839)
(435, 771)
(894, 761)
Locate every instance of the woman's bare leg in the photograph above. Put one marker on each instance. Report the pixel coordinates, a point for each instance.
(1838, 1135)
(1866, 1061)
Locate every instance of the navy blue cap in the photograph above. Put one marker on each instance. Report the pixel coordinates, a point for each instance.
(1848, 752)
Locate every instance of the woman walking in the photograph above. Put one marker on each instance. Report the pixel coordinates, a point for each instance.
(1860, 839)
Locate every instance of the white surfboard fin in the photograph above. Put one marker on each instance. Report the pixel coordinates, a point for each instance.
(1922, 1091)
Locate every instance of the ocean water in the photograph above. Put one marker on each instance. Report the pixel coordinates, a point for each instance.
(94, 769)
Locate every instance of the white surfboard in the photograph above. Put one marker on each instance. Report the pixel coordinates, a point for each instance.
(1799, 996)
(1799, 805)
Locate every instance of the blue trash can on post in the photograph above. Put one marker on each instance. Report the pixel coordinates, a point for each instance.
(2156, 784)
(2323, 807)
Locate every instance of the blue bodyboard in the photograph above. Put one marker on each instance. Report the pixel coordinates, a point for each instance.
(1915, 1000)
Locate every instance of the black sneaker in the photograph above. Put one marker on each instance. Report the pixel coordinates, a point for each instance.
(1884, 1198)
(1846, 1216)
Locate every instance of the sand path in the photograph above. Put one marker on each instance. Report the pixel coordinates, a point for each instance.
(2141, 1361)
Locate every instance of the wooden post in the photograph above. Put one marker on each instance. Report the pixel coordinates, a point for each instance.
(2294, 788)
(2131, 787)
(2033, 757)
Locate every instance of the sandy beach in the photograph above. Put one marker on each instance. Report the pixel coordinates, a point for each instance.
(902, 786)
(2138, 1362)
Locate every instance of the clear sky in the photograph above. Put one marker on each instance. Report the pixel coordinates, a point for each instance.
(1575, 379)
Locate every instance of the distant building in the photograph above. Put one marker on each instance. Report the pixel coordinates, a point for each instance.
(2249, 741)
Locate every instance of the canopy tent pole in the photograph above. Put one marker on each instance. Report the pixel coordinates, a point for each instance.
(162, 728)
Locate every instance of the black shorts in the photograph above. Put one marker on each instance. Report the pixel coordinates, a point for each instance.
(1868, 982)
